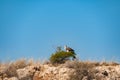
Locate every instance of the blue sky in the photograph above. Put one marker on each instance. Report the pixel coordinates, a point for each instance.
(34, 28)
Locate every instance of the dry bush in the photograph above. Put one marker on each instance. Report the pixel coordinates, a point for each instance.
(20, 63)
(114, 63)
(11, 70)
(8, 69)
(31, 62)
(81, 64)
(86, 70)
(11, 67)
(82, 69)
(108, 63)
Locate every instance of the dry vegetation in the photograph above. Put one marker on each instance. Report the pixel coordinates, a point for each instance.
(70, 70)
(85, 70)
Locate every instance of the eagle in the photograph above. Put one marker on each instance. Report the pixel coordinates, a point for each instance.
(68, 49)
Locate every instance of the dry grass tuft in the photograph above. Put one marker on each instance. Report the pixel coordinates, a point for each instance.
(108, 63)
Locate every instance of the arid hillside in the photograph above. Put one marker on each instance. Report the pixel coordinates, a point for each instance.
(70, 70)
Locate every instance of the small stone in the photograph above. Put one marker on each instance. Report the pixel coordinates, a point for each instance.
(105, 73)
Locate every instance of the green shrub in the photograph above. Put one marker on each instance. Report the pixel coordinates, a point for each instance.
(61, 56)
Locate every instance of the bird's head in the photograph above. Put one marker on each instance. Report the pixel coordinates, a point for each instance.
(65, 47)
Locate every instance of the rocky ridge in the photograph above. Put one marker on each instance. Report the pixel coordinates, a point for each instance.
(71, 70)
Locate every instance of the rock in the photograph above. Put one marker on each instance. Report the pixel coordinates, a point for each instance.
(12, 78)
(63, 72)
(26, 73)
(53, 73)
(108, 72)
(85, 78)
(0, 78)
(105, 73)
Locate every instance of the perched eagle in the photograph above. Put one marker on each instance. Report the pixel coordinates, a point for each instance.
(68, 49)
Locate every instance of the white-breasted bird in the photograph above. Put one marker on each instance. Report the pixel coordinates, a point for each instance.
(68, 49)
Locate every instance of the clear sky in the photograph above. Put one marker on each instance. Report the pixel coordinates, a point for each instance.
(34, 28)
